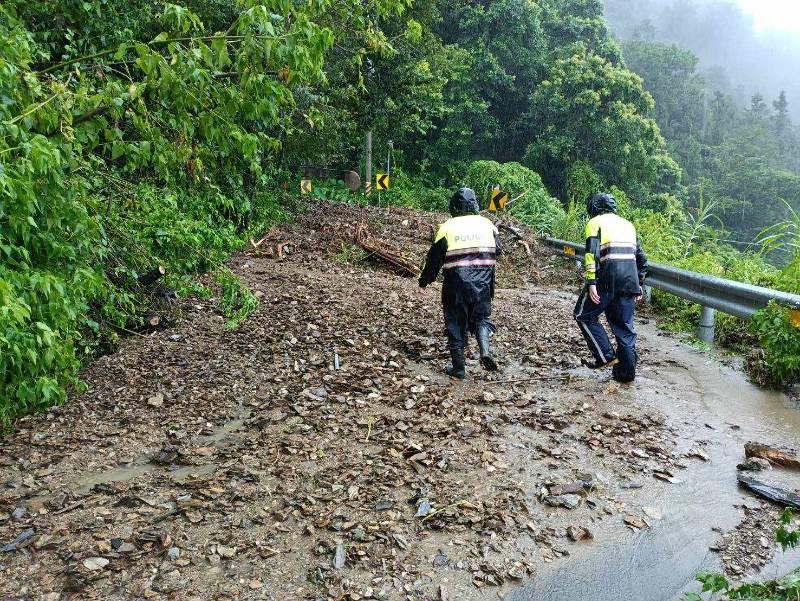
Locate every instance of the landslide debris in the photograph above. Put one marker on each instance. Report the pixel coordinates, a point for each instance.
(316, 452)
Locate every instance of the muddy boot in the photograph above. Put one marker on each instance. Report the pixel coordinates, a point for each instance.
(488, 362)
(598, 364)
(456, 368)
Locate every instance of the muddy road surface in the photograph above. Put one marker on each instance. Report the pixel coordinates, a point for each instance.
(317, 451)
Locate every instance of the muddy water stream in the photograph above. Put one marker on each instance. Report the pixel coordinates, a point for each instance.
(710, 404)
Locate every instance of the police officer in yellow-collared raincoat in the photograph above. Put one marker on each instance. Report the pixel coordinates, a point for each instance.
(465, 249)
(616, 267)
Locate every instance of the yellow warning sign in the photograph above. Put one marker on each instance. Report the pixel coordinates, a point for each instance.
(305, 186)
(498, 200)
(795, 317)
(381, 181)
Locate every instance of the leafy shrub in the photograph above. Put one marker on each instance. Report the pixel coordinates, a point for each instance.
(780, 339)
(335, 191)
(570, 225)
(536, 208)
(406, 191)
(789, 279)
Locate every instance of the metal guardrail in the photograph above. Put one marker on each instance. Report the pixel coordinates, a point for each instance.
(710, 292)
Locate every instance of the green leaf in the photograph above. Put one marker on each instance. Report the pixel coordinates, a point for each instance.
(122, 49)
(117, 150)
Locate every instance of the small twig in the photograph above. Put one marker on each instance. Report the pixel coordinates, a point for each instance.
(369, 429)
(74, 505)
(108, 323)
(513, 200)
(531, 379)
(445, 508)
(32, 109)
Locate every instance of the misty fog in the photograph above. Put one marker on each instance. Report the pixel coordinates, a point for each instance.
(734, 57)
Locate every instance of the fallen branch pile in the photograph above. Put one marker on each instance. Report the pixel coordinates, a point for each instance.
(374, 247)
(276, 248)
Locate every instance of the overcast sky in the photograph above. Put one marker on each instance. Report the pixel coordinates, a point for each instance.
(773, 15)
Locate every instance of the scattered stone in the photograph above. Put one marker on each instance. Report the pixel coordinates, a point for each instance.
(567, 501)
(339, 557)
(653, 513)
(754, 464)
(95, 563)
(635, 522)
(667, 477)
(698, 454)
(17, 542)
(567, 489)
(384, 505)
(423, 509)
(577, 533)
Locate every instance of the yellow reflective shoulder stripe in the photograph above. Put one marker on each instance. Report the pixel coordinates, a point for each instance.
(592, 227)
(441, 233)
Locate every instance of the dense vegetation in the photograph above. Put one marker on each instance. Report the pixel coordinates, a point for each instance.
(141, 134)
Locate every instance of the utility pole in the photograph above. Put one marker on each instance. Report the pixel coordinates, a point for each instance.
(369, 72)
(368, 166)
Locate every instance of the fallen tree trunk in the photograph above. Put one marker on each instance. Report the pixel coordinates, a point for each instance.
(363, 239)
(151, 276)
(771, 454)
(784, 498)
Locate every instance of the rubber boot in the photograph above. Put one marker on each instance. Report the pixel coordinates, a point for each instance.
(456, 368)
(488, 362)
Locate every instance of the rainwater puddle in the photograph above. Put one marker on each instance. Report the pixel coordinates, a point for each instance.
(708, 402)
(177, 473)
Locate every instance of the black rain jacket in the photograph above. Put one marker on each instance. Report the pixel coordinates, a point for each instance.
(466, 250)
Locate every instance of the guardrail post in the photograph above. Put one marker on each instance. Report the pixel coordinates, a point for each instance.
(648, 294)
(706, 330)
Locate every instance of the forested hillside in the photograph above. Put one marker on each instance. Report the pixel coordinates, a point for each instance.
(727, 119)
(140, 134)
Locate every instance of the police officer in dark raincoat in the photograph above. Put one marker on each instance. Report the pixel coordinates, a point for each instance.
(465, 249)
(616, 267)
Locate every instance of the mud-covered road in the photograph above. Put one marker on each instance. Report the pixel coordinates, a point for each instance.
(316, 452)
